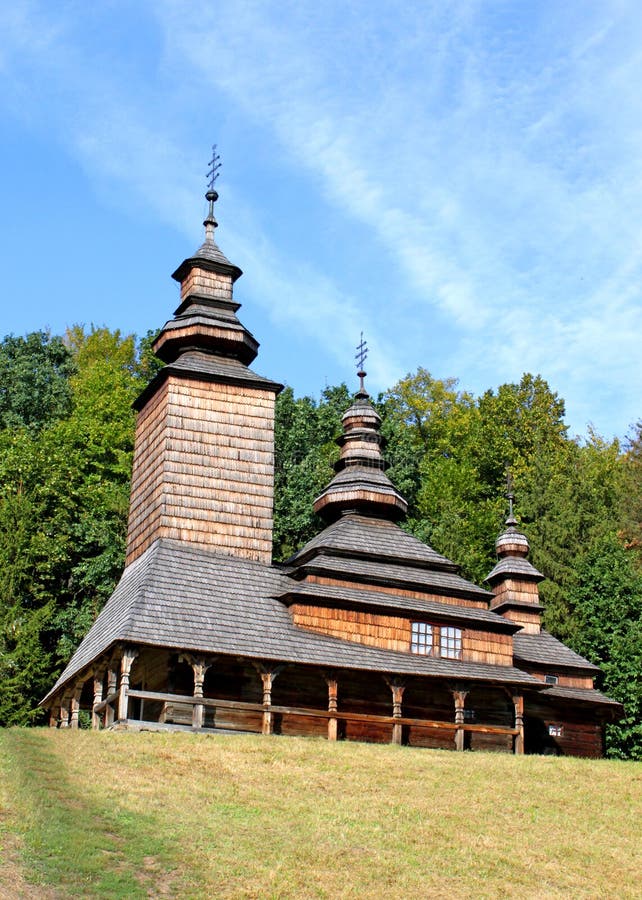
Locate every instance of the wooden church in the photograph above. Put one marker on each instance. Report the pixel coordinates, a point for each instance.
(365, 633)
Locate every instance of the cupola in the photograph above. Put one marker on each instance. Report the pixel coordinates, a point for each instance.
(514, 579)
(361, 484)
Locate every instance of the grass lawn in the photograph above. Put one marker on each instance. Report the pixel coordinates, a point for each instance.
(111, 814)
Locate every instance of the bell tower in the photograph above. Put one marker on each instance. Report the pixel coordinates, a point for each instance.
(203, 467)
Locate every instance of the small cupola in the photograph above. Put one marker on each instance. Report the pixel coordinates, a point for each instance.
(361, 485)
(206, 319)
(514, 579)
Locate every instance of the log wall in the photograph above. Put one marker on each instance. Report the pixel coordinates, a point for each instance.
(415, 593)
(203, 469)
(393, 632)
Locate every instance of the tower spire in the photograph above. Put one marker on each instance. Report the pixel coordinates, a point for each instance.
(211, 196)
(360, 356)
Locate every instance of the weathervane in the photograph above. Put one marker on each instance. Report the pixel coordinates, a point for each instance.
(212, 174)
(360, 356)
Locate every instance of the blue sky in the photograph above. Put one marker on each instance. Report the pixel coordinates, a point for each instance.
(460, 180)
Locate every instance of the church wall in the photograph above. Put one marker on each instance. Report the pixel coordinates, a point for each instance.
(209, 284)
(203, 470)
(147, 475)
(576, 730)
(393, 632)
(415, 593)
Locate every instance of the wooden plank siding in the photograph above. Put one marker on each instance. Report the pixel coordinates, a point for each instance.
(397, 591)
(203, 469)
(393, 632)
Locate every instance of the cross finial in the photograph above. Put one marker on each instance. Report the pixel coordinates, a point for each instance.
(360, 356)
(213, 172)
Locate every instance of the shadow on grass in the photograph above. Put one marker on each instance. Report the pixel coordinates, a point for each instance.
(71, 843)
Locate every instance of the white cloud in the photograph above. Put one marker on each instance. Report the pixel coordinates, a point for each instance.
(492, 154)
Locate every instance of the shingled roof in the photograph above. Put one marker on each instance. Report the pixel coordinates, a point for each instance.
(544, 649)
(378, 551)
(189, 598)
(373, 538)
(342, 597)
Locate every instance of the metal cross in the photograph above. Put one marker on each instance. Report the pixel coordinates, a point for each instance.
(214, 164)
(361, 354)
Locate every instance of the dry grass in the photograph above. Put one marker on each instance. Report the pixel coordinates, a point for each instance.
(243, 816)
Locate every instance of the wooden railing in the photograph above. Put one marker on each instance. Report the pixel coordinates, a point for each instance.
(341, 716)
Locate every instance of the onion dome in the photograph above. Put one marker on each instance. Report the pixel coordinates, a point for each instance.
(361, 484)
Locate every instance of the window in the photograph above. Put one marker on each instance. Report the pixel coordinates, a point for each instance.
(556, 730)
(450, 642)
(551, 679)
(421, 638)
(435, 640)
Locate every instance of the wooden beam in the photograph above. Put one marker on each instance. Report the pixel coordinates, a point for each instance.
(75, 705)
(333, 695)
(98, 696)
(397, 686)
(459, 697)
(518, 701)
(126, 662)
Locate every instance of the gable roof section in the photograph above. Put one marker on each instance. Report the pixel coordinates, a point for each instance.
(364, 548)
(312, 593)
(185, 597)
(353, 534)
(543, 649)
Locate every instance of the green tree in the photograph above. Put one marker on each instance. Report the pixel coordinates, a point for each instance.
(63, 509)
(305, 450)
(607, 604)
(34, 380)
(631, 497)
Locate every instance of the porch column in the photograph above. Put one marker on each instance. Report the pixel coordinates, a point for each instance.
(75, 706)
(127, 659)
(64, 711)
(518, 701)
(199, 667)
(53, 717)
(333, 706)
(397, 687)
(98, 698)
(459, 697)
(112, 681)
(267, 680)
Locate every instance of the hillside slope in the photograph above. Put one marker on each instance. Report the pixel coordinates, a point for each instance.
(151, 815)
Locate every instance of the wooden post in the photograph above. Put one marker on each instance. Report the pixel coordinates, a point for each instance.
(64, 711)
(460, 699)
(267, 680)
(112, 681)
(268, 724)
(397, 687)
(128, 657)
(75, 706)
(333, 706)
(98, 696)
(199, 667)
(53, 717)
(518, 701)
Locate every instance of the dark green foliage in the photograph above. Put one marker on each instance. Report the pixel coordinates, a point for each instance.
(631, 496)
(34, 380)
(607, 604)
(305, 433)
(64, 490)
